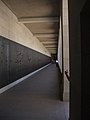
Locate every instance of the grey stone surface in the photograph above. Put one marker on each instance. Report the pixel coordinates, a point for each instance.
(36, 98)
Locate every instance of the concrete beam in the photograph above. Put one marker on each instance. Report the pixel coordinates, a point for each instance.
(49, 42)
(45, 35)
(38, 20)
(51, 47)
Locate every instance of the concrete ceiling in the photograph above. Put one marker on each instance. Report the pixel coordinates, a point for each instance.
(41, 17)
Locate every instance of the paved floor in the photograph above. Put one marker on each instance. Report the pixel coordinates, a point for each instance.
(36, 98)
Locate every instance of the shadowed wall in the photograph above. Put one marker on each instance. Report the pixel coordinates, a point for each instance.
(76, 77)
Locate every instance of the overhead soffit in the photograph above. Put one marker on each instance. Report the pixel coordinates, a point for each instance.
(45, 14)
(48, 27)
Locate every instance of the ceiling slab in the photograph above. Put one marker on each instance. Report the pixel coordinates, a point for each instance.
(41, 17)
(47, 27)
(34, 8)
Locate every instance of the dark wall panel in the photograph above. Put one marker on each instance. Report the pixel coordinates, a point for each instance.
(17, 61)
(4, 62)
(85, 47)
(75, 8)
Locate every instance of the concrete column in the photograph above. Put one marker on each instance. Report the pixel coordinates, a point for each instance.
(65, 48)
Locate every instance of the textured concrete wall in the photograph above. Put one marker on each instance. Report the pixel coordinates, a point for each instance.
(17, 61)
(15, 31)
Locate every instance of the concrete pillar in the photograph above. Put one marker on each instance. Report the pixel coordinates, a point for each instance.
(65, 48)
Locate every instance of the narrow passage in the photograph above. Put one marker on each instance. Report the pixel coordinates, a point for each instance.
(36, 98)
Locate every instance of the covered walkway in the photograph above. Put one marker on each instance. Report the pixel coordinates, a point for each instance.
(36, 98)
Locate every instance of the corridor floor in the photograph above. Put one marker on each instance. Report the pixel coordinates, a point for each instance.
(36, 98)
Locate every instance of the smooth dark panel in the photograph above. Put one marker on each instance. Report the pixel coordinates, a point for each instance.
(85, 36)
(17, 61)
(75, 8)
